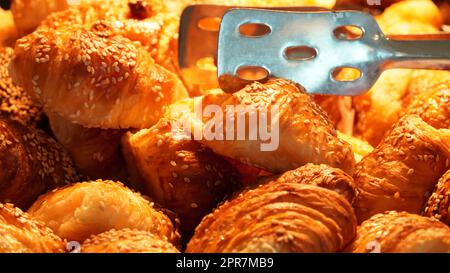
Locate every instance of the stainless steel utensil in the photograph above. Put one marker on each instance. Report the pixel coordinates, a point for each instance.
(308, 47)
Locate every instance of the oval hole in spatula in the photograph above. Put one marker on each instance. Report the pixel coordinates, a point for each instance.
(346, 74)
(252, 73)
(300, 53)
(254, 30)
(348, 32)
(210, 23)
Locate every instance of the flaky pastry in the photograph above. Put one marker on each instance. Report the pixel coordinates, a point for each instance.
(84, 209)
(403, 170)
(394, 232)
(21, 234)
(127, 241)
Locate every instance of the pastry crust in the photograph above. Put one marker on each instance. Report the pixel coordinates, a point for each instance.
(97, 153)
(433, 105)
(278, 217)
(394, 232)
(127, 241)
(403, 170)
(92, 79)
(26, 22)
(305, 133)
(15, 103)
(146, 22)
(181, 175)
(21, 234)
(319, 175)
(31, 163)
(438, 206)
(84, 209)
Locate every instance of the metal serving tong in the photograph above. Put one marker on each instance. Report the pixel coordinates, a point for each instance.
(309, 46)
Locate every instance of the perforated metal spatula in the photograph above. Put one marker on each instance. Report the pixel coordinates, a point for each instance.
(311, 47)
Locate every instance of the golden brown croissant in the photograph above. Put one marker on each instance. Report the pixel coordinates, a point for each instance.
(14, 102)
(394, 232)
(302, 134)
(433, 105)
(412, 13)
(438, 206)
(84, 209)
(403, 170)
(181, 175)
(127, 241)
(319, 175)
(28, 14)
(423, 80)
(92, 79)
(278, 217)
(97, 153)
(144, 21)
(21, 234)
(31, 163)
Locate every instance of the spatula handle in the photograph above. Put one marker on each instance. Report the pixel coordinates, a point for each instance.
(419, 54)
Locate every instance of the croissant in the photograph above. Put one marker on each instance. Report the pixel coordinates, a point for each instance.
(319, 175)
(127, 241)
(26, 23)
(181, 175)
(403, 170)
(84, 209)
(278, 217)
(31, 163)
(144, 21)
(423, 80)
(432, 105)
(438, 206)
(96, 153)
(394, 232)
(301, 131)
(411, 12)
(21, 234)
(92, 79)
(15, 104)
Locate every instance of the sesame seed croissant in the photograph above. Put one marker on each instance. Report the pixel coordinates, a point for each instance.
(76, 212)
(19, 233)
(14, 101)
(31, 163)
(300, 130)
(394, 232)
(438, 206)
(403, 170)
(144, 21)
(127, 241)
(278, 217)
(96, 152)
(320, 175)
(26, 22)
(181, 175)
(433, 105)
(92, 79)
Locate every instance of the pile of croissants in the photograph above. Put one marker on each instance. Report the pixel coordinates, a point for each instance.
(90, 94)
